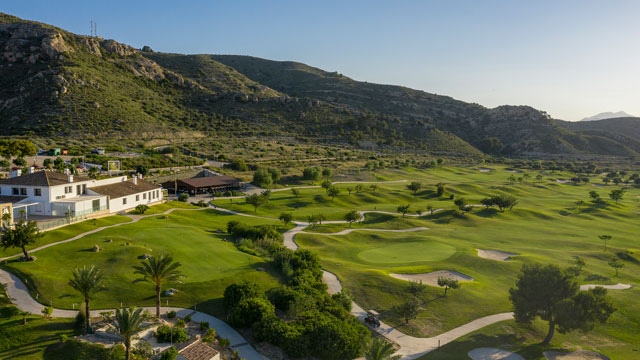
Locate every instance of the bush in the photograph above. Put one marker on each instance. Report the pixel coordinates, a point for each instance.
(224, 343)
(180, 323)
(171, 314)
(164, 334)
(250, 310)
(210, 336)
(187, 319)
(184, 197)
(234, 293)
(170, 354)
(204, 325)
(64, 338)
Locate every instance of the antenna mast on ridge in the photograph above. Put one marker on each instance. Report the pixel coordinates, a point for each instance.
(91, 31)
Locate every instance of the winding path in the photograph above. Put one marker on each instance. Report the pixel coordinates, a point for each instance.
(410, 347)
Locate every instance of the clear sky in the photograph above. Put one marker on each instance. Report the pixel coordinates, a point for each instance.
(571, 58)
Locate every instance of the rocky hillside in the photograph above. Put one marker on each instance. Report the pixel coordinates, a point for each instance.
(59, 84)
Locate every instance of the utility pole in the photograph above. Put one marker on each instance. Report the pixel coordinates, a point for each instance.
(91, 31)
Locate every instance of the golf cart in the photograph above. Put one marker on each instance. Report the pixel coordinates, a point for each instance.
(372, 319)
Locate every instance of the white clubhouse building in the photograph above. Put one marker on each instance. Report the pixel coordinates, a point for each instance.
(52, 194)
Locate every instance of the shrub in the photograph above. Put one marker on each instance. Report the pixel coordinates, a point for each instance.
(250, 310)
(184, 197)
(187, 319)
(224, 343)
(64, 338)
(210, 336)
(164, 334)
(234, 293)
(180, 323)
(171, 314)
(170, 354)
(204, 325)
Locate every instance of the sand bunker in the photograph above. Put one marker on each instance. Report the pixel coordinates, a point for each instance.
(432, 277)
(608, 287)
(563, 181)
(576, 355)
(493, 354)
(514, 171)
(496, 255)
(483, 169)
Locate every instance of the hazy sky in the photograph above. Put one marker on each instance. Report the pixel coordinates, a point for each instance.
(570, 58)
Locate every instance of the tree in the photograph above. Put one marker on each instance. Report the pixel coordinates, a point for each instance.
(352, 216)
(408, 309)
(333, 192)
(93, 172)
(553, 295)
(312, 220)
(236, 292)
(24, 315)
(262, 178)
(617, 194)
(88, 281)
(326, 185)
(23, 234)
(275, 174)
(461, 203)
(379, 349)
(311, 173)
(157, 270)
(447, 283)
(183, 197)
(349, 190)
(580, 203)
(142, 170)
(295, 192)
(256, 200)
(20, 161)
(416, 289)
(430, 209)
(440, 189)
(359, 188)
(286, 218)
(127, 323)
(616, 263)
(47, 311)
(238, 165)
(415, 186)
(326, 173)
(605, 238)
(577, 266)
(373, 187)
(403, 209)
(142, 208)
(320, 218)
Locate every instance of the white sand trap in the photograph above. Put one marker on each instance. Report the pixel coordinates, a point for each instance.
(617, 286)
(563, 181)
(483, 169)
(515, 171)
(599, 185)
(496, 255)
(432, 277)
(493, 354)
(576, 355)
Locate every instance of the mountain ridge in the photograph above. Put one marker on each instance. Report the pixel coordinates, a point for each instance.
(607, 115)
(61, 84)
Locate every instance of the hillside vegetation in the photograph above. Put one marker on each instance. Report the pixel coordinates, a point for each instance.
(59, 84)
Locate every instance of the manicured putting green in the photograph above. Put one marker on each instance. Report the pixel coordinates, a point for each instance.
(408, 252)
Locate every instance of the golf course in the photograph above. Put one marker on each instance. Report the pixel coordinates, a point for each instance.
(548, 225)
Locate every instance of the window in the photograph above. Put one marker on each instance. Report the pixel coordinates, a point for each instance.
(78, 189)
(37, 192)
(137, 197)
(23, 191)
(124, 201)
(84, 189)
(15, 191)
(68, 189)
(157, 194)
(144, 196)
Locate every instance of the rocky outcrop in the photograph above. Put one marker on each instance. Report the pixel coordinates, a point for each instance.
(117, 48)
(30, 43)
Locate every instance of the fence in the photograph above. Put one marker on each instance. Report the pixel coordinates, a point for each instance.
(59, 222)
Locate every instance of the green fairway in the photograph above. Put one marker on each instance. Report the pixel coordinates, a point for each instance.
(408, 252)
(546, 227)
(209, 262)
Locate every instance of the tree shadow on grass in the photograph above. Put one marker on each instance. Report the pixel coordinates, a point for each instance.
(626, 256)
(443, 217)
(487, 213)
(596, 277)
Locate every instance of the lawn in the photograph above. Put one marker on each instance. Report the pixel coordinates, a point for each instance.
(209, 262)
(545, 227)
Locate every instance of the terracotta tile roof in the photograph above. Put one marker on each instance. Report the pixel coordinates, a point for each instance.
(210, 181)
(42, 178)
(124, 188)
(198, 351)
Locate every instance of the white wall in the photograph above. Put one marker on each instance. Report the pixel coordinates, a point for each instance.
(116, 205)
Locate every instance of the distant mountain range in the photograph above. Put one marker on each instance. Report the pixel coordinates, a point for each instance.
(607, 115)
(57, 84)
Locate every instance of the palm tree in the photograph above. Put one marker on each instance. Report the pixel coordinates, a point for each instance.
(24, 314)
(88, 281)
(127, 324)
(380, 350)
(157, 270)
